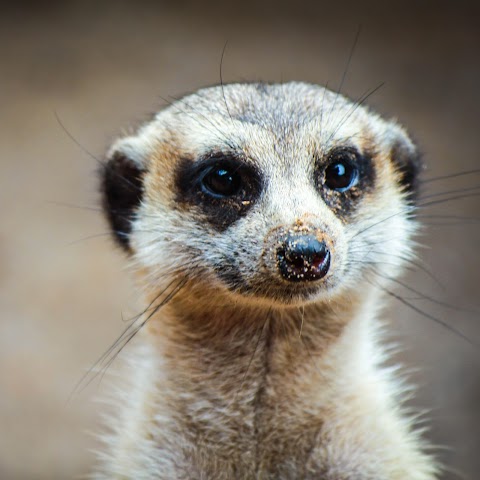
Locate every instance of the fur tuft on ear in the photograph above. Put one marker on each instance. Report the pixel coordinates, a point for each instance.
(122, 191)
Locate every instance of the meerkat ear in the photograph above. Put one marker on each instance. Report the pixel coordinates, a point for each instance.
(408, 163)
(122, 190)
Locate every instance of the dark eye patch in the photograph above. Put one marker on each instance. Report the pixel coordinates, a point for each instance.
(342, 177)
(220, 187)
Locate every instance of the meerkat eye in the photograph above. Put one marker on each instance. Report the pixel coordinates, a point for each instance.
(222, 181)
(341, 174)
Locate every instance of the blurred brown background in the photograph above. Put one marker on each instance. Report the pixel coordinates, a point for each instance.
(103, 67)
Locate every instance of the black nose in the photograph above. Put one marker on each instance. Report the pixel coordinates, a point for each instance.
(302, 258)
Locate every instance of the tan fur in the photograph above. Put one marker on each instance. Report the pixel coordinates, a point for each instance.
(243, 384)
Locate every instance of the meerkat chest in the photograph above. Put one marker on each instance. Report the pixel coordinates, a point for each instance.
(261, 416)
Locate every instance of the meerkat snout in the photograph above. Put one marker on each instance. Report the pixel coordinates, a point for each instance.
(303, 258)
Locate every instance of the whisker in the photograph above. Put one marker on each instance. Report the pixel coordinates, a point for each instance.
(356, 105)
(450, 176)
(449, 224)
(400, 212)
(325, 89)
(221, 81)
(413, 209)
(174, 292)
(430, 317)
(91, 155)
(345, 71)
(425, 296)
(126, 336)
(90, 237)
(415, 265)
(448, 217)
(450, 192)
(72, 205)
(75, 141)
(118, 212)
(147, 308)
(444, 200)
(109, 233)
(216, 130)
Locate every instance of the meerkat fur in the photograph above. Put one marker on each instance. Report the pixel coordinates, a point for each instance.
(265, 224)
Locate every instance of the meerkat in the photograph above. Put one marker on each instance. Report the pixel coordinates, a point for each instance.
(265, 223)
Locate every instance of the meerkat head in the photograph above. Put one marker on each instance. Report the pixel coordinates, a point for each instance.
(284, 194)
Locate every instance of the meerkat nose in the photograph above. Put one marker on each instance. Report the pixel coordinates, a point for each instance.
(302, 258)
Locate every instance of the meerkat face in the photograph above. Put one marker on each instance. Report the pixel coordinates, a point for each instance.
(272, 193)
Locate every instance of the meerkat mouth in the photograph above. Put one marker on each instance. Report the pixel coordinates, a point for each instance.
(302, 284)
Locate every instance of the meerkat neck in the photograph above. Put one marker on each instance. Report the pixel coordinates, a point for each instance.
(243, 393)
(258, 363)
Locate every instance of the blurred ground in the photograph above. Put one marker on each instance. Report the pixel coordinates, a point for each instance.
(104, 66)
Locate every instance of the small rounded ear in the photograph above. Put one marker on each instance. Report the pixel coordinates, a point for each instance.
(408, 163)
(122, 191)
